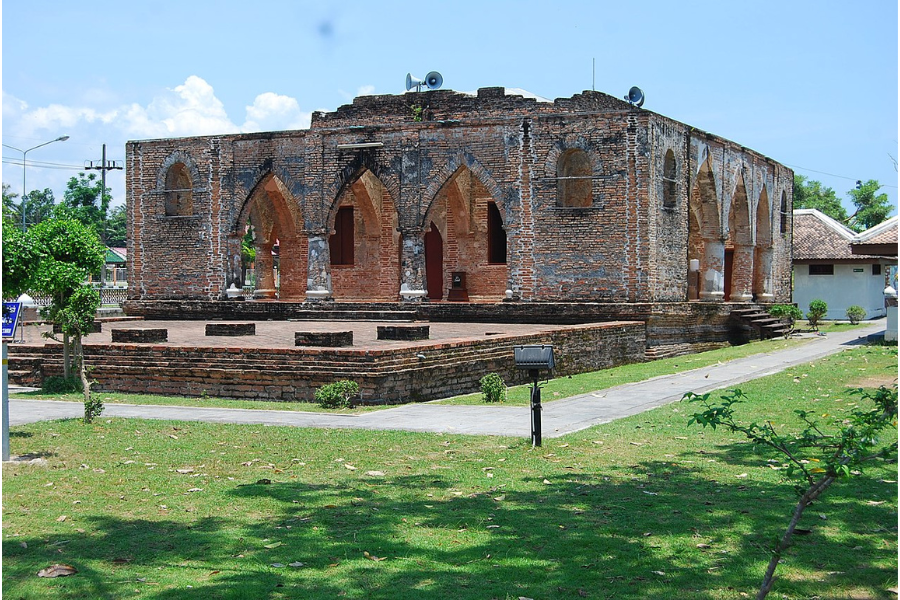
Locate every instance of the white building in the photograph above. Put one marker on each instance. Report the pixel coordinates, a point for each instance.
(826, 268)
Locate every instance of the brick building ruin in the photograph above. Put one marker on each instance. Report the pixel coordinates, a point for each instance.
(585, 199)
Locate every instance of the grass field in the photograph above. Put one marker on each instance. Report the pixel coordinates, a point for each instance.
(644, 507)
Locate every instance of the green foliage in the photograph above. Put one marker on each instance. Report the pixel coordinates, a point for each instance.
(10, 207)
(817, 310)
(115, 228)
(88, 202)
(61, 385)
(856, 313)
(39, 206)
(339, 394)
(871, 208)
(812, 194)
(785, 311)
(818, 454)
(493, 389)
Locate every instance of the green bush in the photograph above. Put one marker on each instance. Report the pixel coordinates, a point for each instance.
(785, 311)
(856, 313)
(61, 385)
(492, 388)
(339, 394)
(817, 310)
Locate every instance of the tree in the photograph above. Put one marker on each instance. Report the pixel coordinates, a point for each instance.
(116, 227)
(54, 258)
(10, 207)
(818, 455)
(812, 194)
(39, 205)
(87, 202)
(871, 209)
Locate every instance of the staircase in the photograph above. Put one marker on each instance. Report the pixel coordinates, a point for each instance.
(765, 324)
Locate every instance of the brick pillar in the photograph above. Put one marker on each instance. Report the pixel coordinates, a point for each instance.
(412, 265)
(742, 274)
(712, 276)
(265, 271)
(762, 275)
(319, 280)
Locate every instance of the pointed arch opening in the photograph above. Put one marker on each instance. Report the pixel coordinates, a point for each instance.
(706, 248)
(272, 219)
(739, 247)
(364, 241)
(670, 181)
(470, 222)
(763, 251)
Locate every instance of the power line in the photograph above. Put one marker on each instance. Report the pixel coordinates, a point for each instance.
(42, 165)
(833, 175)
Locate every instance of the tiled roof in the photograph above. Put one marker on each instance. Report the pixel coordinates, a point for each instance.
(882, 234)
(819, 237)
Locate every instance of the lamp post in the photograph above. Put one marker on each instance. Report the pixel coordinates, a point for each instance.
(61, 138)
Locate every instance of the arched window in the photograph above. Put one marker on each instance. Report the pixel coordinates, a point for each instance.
(496, 236)
(573, 172)
(342, 240)
(179, 201)
(669, 180)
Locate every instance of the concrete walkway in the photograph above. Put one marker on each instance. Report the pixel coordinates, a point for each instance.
(558, 418)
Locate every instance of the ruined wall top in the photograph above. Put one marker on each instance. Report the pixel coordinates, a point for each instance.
(448, 105)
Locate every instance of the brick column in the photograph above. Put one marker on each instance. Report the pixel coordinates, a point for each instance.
(712, 276)
(742, 274)
(265, 273)
(762, 275)
(412, 265)
(319, 280)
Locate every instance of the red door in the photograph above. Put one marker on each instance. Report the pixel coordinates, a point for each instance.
(434, 263)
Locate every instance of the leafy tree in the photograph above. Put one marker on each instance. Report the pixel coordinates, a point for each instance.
(871, 208)
(116, 227)
(54, 258)
(817, 456)
(812, 194)
(10, 206)
(88, 202)
(39, 205)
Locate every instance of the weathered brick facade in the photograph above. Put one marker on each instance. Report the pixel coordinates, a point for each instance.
(598, 201)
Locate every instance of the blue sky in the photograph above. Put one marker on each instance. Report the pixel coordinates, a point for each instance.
(812, 85)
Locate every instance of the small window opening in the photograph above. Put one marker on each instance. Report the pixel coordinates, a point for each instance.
(784, 213)
(179, 200)
(821, 269)
(496, 236)
(341, 242)
(669, 180)
(876, 269)
(574, 181)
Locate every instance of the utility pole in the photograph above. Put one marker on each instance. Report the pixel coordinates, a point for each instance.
(103, 166)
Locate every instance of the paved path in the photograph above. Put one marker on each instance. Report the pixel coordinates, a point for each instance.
(558, 418)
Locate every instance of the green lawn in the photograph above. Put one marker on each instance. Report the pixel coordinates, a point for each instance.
(644, 507)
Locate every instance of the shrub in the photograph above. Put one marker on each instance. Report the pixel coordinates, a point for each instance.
(817, 310)
(492, 388)
(61, 385)
(856, 313)
(339, 394)
(788, 312)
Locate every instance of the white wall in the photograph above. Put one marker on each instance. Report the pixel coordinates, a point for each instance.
(841, 290)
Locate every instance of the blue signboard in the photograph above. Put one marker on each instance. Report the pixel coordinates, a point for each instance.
(11, 311)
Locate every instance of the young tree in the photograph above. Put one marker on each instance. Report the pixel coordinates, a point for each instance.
(54, 258)
(10, 206)
(812, 194)
(116, 227)
(871, 208)
(817, 456)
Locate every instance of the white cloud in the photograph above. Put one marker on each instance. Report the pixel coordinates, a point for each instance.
(366, 90)
(274, 112)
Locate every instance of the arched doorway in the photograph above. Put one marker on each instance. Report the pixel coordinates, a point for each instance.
(434, 263)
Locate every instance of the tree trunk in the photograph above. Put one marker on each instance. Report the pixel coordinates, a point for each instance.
(811, 494)
(67, 370)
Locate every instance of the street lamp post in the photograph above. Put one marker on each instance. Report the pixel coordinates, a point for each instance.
(61, 138)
